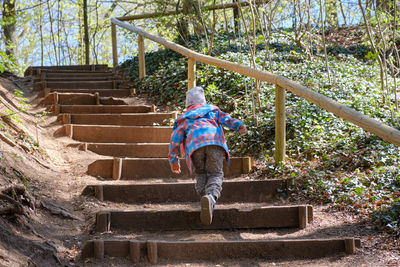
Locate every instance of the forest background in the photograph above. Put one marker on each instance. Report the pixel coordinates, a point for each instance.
(346, 50)
(53, 32)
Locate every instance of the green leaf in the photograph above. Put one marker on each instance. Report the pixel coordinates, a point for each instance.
(372, 56)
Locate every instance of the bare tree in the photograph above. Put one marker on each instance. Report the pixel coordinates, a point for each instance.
(52, 32)
(41, 33)
(342, 11)
(324, 42)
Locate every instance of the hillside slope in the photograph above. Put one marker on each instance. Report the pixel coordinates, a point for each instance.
(40, 224)
(44, 219)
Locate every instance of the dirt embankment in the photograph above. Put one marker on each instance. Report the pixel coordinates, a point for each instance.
(41, 219)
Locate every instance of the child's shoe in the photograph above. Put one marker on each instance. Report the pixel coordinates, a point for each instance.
(207, 204)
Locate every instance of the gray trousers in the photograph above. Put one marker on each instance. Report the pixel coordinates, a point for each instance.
(208, 169)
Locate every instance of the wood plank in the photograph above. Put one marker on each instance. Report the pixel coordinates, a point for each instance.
(232, 249)
(233, 191)
(136, 169)
(132, 119)
(185, 220)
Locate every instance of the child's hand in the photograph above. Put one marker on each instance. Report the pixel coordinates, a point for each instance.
(242, 129)
(176, 168)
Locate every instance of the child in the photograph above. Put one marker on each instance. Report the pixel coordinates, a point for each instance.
(200, 132)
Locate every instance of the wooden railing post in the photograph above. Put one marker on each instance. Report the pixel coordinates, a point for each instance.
(114, 44)
(280, 125)
(142, 62)
(191, 73)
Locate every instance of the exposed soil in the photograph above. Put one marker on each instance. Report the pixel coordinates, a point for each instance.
(46, 221)
(346, 36)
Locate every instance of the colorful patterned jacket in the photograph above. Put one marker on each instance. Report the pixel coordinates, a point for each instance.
(201, 125)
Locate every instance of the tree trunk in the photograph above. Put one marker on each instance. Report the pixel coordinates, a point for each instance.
(52, 32)
(80, 41)
(94, 35)
(69, 53)
(191, 13)
(9, 26)
(59, 32)
(236, 18)
(193, 9)
(41, 33)
(182, 25)
(342, 11)
(213, 32)
(324, 41)
(86, 27)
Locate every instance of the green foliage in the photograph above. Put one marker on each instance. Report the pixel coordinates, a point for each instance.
(41, 116)
(7, 63)
(15, 156)
(389, 216)
(22, 101)
(23, 106)
(166, 91)
(358, 51)
(12, 115)
(28, 141)
(154, 62)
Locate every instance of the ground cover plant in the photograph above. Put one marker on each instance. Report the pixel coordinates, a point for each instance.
(332, 160)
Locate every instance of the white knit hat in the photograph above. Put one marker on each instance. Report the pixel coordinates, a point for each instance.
(195, 96)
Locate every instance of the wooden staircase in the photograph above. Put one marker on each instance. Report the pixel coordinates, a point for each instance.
(137, 172)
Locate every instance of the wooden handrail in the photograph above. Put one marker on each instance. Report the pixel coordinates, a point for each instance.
(378, 128)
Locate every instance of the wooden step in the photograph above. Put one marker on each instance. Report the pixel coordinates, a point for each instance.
(79, 99)
(78, 92)
(140, 251)
(102, 92)
(70, 99)
(186, 220)
(100, 82)
(233, 191)
(36, 70)
(133, 169)
(87, 109)
(116, 134)
(132, 119)
(77, 75)
(77, 78)
(84, 84)
(128, 150)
